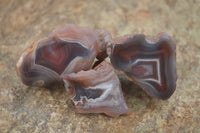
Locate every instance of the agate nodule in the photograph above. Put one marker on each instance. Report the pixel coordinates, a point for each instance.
(96, 91)
(66, 50)
(149, 61)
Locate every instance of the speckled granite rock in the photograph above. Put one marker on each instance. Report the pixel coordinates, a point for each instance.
(28, 109)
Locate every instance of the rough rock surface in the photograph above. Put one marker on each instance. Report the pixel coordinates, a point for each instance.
(30, 109)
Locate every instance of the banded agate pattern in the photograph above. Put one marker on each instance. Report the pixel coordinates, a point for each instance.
(75, 57)
(97, 91)
(148, 61)
(66, 50)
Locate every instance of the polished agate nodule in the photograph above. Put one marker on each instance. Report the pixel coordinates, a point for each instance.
(148, 61)
(96, 91)
(65, 50)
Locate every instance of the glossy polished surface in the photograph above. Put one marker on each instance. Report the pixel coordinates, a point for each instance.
(97, 91)
(149, 61)
(66, 50)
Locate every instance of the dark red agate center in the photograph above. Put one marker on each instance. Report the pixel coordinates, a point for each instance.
(46, 61)
(58, 54)
(152, 65)
(69, 49)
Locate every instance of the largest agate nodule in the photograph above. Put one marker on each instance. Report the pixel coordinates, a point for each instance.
(66, 50)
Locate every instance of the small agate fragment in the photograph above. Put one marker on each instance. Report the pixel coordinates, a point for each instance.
(149, 61)
(96, 91)
(66, 50)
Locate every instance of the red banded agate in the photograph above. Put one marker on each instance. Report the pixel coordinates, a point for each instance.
(96, 91)
(148, 61)
(66, 50)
